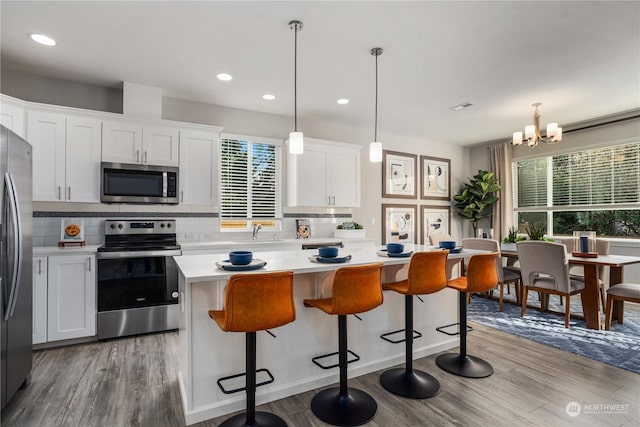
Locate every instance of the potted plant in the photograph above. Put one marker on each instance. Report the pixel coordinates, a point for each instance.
(512, 236)
(350, 230)
(536, 232)
(474, 200)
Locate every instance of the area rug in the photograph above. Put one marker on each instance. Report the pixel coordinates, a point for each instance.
(618, 347)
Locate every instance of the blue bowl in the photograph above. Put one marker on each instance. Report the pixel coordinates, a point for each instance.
(328, 252)
(447, 244)
(395, 248)
(240, 257)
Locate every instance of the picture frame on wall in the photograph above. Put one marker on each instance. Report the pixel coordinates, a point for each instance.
(401, 221)
(434, 220)
(435, 180)
(399, 176)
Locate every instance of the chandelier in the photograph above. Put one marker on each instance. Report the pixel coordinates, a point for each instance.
(532, 132)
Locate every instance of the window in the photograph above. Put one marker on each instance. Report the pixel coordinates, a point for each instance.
(249, 183)
(596, 189)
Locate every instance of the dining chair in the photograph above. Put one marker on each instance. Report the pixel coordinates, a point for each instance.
(434, 240)
(621, 292)
(545, 269)
(504, 276)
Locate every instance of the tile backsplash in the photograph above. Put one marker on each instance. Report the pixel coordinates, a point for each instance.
(46, 228)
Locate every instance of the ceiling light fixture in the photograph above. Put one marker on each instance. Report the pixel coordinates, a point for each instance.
(462, 106)
(342, 101)
(42, 39)
(532, 132)
(268, 97)
(224, 77)
(375, 148)
(296, 139)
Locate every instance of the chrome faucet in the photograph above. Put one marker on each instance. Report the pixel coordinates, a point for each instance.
(256, 228)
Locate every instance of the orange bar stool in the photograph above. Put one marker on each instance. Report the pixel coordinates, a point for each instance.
(482, 276)
(427, 274)
(355, 290)
(255, 302)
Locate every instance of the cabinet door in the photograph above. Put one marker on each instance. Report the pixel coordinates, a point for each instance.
(46, 133)
(83, 160)
(121, 142)
(307, 183)
(71, 297)
(39, 300)
(12, 116)
(159, 146)
(344, 175)
(198, 168)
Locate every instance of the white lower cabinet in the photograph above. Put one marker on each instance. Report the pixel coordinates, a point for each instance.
(64, 298)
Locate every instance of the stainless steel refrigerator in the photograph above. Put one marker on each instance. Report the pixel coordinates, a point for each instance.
(16, 218)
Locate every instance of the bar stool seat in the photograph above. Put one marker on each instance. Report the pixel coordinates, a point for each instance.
(427, 274)
(481, 277)
(255, 302)
(355, 290)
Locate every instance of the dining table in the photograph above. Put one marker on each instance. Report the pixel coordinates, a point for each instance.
(592, 309)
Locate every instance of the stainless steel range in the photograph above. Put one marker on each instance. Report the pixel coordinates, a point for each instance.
(137, 278)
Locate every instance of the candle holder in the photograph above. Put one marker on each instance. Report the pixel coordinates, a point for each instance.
(584, 244)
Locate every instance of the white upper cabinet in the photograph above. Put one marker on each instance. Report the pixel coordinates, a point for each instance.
(66, 157)
(326, 174)
(131, 142)
(198, 167)
(12, 115)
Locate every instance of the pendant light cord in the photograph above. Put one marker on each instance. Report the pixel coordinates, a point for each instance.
(375, 132)
(295, 78)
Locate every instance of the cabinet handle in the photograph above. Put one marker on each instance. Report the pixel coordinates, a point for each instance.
(137, 156)
(334, 200)
(145, 156)
(329, 200)
(39, 267)
(59, 192)
(89, 264)
(69, 192)
(181, 196)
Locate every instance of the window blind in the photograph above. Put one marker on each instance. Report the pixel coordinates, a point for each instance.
(532, 183)
(249, 182)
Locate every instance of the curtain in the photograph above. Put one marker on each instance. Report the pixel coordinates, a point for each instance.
(502, 211)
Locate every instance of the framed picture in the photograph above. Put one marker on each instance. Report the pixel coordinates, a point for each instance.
(72, 230)
(400, 219)
(399, 177)
(435, 181)
(303, 229)
(435, 220)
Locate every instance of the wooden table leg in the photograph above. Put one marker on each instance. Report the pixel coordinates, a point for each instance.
(615, 277)
(591, 297)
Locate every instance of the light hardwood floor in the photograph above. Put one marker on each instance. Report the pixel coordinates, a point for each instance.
(133, 382)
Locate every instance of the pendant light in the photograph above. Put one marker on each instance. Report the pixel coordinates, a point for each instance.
(296, 139)
(375, 148)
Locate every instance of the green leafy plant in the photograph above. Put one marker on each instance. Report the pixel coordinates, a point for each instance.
(350, 226)
(474, 200)
(536, 231)
(512, 236)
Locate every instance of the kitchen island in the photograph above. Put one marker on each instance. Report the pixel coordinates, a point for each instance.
(206, 353)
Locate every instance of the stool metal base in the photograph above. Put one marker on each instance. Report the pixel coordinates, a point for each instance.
(352, 409)
(263, 419)
(464, 366)
(414, 385)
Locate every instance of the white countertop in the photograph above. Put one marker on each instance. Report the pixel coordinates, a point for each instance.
(203, 244)
(72, 250)
(197, 268)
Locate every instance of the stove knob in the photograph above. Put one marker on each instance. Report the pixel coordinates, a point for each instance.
(120, 226)
(162, 225)
(174, 295)
(113, 226)
(169, 225)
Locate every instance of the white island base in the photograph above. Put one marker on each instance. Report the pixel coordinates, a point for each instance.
(207, 353)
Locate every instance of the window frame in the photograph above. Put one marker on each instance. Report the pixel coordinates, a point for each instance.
(271, 224)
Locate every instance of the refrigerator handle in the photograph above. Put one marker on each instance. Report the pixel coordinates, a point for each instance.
(17, 244)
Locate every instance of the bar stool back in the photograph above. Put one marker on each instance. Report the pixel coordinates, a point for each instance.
(355, 290)
(427, 274)
(481, 277)
(255, 302)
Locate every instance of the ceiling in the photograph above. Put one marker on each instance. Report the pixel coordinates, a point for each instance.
(581, 59)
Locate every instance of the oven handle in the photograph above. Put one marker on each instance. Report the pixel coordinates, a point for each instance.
(138, 254)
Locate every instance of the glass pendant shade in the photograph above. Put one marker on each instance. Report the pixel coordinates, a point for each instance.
(375, 152)
(517, 138)
(296, 143)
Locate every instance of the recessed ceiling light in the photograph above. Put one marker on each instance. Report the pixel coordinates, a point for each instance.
(224, 77)
(462, 106)
(268, 97)
(42, 39)
(342, 101)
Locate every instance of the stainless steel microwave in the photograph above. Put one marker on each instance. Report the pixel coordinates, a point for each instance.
(131, 183)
